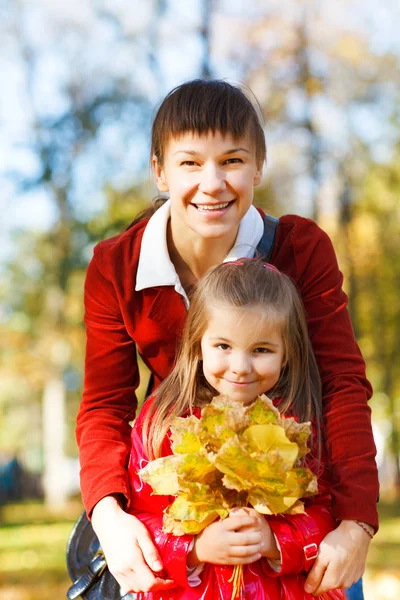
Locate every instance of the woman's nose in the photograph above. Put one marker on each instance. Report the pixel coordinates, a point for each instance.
(212, 179)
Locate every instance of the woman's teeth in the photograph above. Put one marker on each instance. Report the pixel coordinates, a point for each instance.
(212, 207)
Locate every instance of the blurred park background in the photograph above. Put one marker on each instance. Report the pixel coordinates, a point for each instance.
(80, 83)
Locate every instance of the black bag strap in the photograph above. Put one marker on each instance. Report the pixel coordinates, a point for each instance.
(266, 245)
(92, 572)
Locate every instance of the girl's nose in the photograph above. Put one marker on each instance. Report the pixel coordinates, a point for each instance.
(240, 363)
(212, 179)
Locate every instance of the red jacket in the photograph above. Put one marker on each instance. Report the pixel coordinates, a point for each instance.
(293, 532)
(120, 321)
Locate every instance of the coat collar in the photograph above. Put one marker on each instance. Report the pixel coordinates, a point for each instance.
(155, 267)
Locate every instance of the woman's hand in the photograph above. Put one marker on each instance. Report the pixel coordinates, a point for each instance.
(241, 538)
(341, 559)
(129, 550)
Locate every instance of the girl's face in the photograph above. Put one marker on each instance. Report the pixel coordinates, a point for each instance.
(210, 180)
(242, 352)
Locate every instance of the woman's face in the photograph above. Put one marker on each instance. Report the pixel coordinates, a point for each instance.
(242, 351)
(210, 179)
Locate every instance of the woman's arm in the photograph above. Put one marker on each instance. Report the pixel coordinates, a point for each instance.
(103, 433)
(306, 254)
(109, 402)
(299, 536)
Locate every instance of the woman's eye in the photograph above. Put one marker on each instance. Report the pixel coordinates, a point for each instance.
(230, 161)
(188, 163)
(262, 350)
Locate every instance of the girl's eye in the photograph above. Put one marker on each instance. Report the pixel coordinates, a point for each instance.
(188, 163)
(262, 350)
(223, 346)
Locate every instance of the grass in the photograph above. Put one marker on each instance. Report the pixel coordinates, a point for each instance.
(33, 541)
(32, 548)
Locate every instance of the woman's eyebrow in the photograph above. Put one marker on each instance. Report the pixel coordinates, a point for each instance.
(233, 150)
(194, 153)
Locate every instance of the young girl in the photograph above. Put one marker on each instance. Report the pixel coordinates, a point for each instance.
(208, 150)
(245, 335)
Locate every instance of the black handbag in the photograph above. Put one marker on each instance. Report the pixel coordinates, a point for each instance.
(87, 566)
(86, 563)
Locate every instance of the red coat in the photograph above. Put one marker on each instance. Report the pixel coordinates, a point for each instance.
(120, 320)
(293, 532)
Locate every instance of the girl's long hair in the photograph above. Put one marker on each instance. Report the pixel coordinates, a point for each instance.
(244, 283)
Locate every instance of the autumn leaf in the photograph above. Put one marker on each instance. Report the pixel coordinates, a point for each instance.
(299, 433)
(271, 438)
(184, 435)
(162, 475)
(195, 510)
(262, 411)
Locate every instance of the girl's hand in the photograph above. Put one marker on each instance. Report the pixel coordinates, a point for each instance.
(341, 559)
(242, 538)
(269, 548)
(129, 550)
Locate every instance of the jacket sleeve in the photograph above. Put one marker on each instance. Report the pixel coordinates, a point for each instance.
(173, 549)
(109, 403)
(299, 537)
(305, 253)
(149, 507)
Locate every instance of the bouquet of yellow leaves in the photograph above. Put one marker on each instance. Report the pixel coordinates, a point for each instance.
(233, 455)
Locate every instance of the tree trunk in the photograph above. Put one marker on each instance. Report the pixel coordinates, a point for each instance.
(54, 479)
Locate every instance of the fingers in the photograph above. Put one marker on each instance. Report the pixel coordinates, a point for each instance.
(247, 553)
(130, 583)
(242, 560)
(148, 550)
(240, 521)
(315, 577)
(141, 578)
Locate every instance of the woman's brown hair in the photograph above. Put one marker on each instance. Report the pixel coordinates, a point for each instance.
(201, 106)
(245, 283)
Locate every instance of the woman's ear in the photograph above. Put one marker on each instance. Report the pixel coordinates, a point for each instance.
(159, 175)
(257, 176)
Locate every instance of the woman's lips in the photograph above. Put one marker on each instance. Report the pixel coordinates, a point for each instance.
(210, 209)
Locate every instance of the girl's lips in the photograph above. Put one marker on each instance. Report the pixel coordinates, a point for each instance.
(240, 383)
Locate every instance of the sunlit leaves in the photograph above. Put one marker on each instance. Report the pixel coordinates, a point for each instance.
(233, 455)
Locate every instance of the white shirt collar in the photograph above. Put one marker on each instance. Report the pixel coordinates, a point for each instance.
(155, 267)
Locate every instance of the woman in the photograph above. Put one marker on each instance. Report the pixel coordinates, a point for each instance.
(208, 150)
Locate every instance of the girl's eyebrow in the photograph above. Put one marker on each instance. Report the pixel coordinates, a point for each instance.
(194, 153)
(222, 339)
